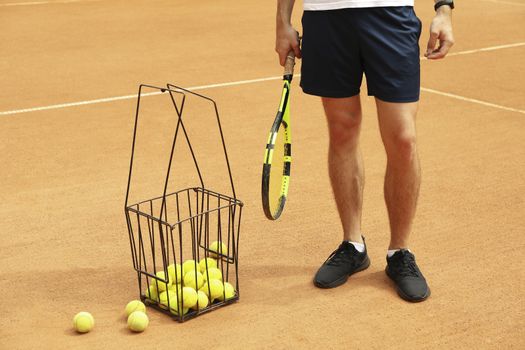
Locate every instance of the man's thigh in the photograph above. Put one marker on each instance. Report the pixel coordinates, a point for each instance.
(389, 44)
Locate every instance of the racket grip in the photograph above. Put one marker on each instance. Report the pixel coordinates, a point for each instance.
(289, 64)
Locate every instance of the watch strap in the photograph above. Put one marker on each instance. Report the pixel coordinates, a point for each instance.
(444, 2)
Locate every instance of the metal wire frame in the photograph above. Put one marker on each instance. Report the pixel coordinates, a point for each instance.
(201, 209)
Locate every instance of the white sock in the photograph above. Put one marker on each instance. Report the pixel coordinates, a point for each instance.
(360, 247)
(391, 252)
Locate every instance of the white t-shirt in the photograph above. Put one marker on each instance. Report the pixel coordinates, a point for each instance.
(320, 5)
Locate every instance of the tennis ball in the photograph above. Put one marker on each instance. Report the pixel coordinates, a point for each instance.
(189, 297)
(218, 247)
(151, 293)
(163, 299)
(202, 301)
(83, 322)
(211, 263)
(161, 286)
(175, 273)
(193, 280)
(213, 274)
(135, 305)
(176, 288)
(229, 292)
(138, 321)
(175, 310)
(189, 265)
(213, 289)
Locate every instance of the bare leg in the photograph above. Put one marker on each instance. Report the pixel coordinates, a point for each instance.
(403, 174)
(345, 162)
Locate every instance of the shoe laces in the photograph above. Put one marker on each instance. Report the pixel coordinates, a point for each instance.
(341, 255)
(406, 265)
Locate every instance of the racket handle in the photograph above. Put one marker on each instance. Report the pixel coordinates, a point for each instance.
(289, 64)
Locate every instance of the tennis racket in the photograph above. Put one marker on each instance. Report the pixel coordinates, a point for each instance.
(278, 154)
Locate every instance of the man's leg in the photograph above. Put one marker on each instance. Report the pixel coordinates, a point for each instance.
(346, 175)
(345, 163)
(398, 131)
(403, 176)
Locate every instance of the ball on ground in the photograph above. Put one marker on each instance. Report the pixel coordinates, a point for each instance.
(135, 305)
(83, 322)
(138, 321)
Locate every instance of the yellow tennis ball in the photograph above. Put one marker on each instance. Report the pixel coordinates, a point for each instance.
(189, 297)
(189, 265)
(176, 309)
(176, 288)
(163, 299)
(193, 280)
(175, 273)
(210, 261)
(218, 247)
(161, 286)
(213, 289)
(138, 321)
(213, 274)
(151, 292)
(135, 305)
(202, 301)
(229, 292)
(83, 322)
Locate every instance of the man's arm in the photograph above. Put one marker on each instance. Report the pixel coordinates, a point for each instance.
(440, 29)
(286, 36)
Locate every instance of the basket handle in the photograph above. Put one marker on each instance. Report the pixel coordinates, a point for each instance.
(183, 90)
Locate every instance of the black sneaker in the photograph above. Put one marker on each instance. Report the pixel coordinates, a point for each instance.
(403, 270)
(342, 263)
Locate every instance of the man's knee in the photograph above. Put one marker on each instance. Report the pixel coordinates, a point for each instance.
(344, 126)
(401, 147)
(344, 131)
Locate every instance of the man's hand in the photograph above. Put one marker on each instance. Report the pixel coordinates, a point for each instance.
(440, 29)
(287, 39)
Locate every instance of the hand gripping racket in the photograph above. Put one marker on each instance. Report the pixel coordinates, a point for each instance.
(278, 154)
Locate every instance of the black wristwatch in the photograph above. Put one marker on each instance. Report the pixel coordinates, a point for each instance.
(444, 2)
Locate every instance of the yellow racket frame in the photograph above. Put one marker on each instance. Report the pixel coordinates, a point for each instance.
(282, 119)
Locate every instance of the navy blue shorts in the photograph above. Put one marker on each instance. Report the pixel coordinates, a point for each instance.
(338, 46)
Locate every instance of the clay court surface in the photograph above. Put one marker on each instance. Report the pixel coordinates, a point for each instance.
(64, 241)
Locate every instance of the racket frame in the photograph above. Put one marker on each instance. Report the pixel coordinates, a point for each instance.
(282, 119)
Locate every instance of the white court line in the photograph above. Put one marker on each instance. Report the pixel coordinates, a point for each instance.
(473, 100)
(505, 2)
(129, 97)
(491, 48)
(251, 81)
(44, 2)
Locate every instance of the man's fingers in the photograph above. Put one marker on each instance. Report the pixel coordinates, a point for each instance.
(282, 58)
(297, 50)
(432, 40)
(442, 50)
